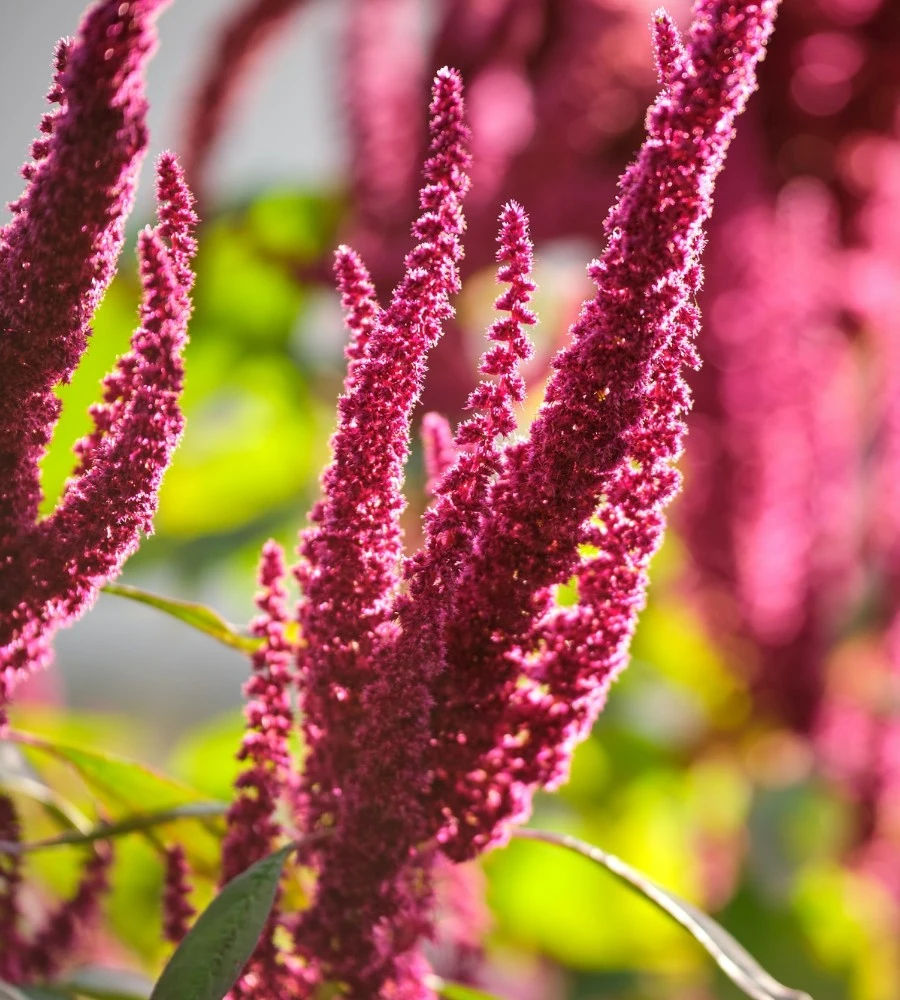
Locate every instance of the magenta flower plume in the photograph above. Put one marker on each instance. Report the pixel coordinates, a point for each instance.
(252, 827)
(609, 429)
(351, 572)
(58, 253)
(176, 905)
(58, 565)
(439, 693)
(361, 308)
(63, 929)
(57, 256)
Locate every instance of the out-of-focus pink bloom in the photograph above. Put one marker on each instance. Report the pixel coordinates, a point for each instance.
(241, 39)
(438, 449)
(45, 953)
(11, 943)
(176, 905)
(57, 256)
(773, 513)
(439, 694)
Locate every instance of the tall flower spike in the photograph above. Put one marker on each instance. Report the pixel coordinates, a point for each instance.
(351, 572)
(72, 553)
(361, 308)
(57, 256)
(176, 905)
(611, 417)
(59, 252)
(251, 822)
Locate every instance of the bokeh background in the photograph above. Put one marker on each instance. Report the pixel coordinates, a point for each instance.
(750, 758)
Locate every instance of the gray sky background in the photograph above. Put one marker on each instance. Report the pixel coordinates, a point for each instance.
(289, 127)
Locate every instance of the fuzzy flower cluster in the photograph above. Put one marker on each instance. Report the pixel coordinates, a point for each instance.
(57, 256)
(440, 690)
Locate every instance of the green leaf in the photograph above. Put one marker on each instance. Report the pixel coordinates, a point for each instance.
(56, 805)
(197, 616)
(137, 823)
(210, 958)
(456, 991)
(740, 967)
(8, 992)
(117, 780)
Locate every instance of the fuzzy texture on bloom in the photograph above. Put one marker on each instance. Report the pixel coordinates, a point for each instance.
(176, 905)
(252, 827)
(525, 678)
(438, 693)
(57, 256)
(350, 571)
(55, 568)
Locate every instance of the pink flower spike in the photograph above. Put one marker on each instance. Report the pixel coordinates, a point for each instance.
(176, 904)
(44, 956)
(97, 524)
(672, 60)
(57, 257)
(251, 823)
(610, 427)
(59, 252)
(360, 304)
(11, 943)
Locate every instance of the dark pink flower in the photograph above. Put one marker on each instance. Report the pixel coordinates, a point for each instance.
(176, 905)
(57, 256)
(440, 693)
(252, 826)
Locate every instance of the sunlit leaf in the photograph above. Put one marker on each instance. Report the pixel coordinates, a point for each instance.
(210, 958)
(197, 616)
(56, 805)
(740, 967)
(117, 780)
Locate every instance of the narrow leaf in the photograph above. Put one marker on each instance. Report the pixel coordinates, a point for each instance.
(57, 806)
(740, 967)
(138, 823)
(197, 616)
(209, 960)
(117, 780)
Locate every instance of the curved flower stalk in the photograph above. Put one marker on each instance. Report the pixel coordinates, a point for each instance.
(439, 694)
(240, 40)
(57, 256)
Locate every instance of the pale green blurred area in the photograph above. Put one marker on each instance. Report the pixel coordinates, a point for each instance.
(678, 778)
